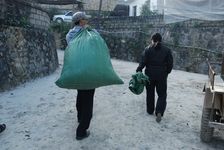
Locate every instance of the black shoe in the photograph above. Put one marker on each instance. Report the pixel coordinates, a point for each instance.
(2, 127)
(150, 113)
(158, 117)
(84, 136)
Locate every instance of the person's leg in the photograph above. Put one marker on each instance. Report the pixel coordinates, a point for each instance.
(2, 127)
(161, 89)
(78, 104)
(86, 111)
(150, 97)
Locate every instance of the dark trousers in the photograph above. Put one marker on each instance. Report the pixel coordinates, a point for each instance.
(161, 88)
(84, 106)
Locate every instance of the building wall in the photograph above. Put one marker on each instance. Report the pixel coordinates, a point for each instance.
(155, 5)
(160, 6)
(137, 3)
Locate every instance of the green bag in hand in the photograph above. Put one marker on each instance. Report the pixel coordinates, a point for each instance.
(138, 82)
(87, 63)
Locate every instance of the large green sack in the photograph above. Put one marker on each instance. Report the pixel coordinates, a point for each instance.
(87, 63)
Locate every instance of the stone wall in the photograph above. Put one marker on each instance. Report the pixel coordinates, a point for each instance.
(25, 54)
(192, 42)
(196, 33)
(195, 59)
(27, 48)
(23, 14)
(127, 23)
(107, 5)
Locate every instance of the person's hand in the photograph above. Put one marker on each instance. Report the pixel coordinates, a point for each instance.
(138, 70)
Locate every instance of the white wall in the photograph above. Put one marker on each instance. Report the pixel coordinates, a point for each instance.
(155, 5)
(160, 6)
(137, 3)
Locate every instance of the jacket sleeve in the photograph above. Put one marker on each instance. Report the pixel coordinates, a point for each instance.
(142, 62)
(68, 37)
(169, 61)
(72, 34)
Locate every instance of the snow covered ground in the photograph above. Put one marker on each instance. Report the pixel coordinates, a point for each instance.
(41, 116)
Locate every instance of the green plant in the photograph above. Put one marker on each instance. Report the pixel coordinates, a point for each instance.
(196, 24)
(52, 12)
(145, 10)
(175, 33)
(24, 22)
(62, 29)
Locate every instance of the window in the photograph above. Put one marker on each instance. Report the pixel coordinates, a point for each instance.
(69, 14)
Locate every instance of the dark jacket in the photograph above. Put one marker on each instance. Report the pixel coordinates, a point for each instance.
(157, 60)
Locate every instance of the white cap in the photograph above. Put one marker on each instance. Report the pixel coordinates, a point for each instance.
(79, 16)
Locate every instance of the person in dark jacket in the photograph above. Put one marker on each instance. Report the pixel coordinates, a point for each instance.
(2, 127)
(158, 62)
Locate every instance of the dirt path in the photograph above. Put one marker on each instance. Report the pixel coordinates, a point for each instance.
(41, 116)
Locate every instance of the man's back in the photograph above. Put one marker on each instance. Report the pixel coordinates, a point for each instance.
(158, 61)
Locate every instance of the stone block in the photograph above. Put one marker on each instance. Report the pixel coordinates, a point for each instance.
(42, 18)
(38, 12)
(33, 10)
(32, 21)
(32, 16)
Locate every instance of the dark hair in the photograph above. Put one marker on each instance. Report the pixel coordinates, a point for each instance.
(74, 23)
(157, 37)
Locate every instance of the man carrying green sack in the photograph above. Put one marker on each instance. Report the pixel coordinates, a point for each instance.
(138, 82)
(86, 66)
